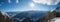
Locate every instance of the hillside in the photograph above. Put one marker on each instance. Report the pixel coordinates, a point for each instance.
(57, 12)
(2, 18)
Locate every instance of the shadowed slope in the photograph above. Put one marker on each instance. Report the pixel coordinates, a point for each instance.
(2, 18)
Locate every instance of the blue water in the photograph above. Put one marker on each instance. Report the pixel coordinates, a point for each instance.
(33, 15)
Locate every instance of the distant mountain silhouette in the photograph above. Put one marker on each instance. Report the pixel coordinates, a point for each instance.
(28, 16)
(57, 12)
(31, 16)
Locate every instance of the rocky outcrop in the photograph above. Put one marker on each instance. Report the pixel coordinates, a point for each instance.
(57, 12)
(49, 16)
(2, 18)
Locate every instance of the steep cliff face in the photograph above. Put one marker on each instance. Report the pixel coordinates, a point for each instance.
(49, 16)
(57, 12)
(2, 18)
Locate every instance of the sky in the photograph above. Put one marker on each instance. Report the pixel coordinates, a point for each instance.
(26, 5)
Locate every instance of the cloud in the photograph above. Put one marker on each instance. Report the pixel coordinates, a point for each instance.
(48, 2)
(9, 1)
(17, 1)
